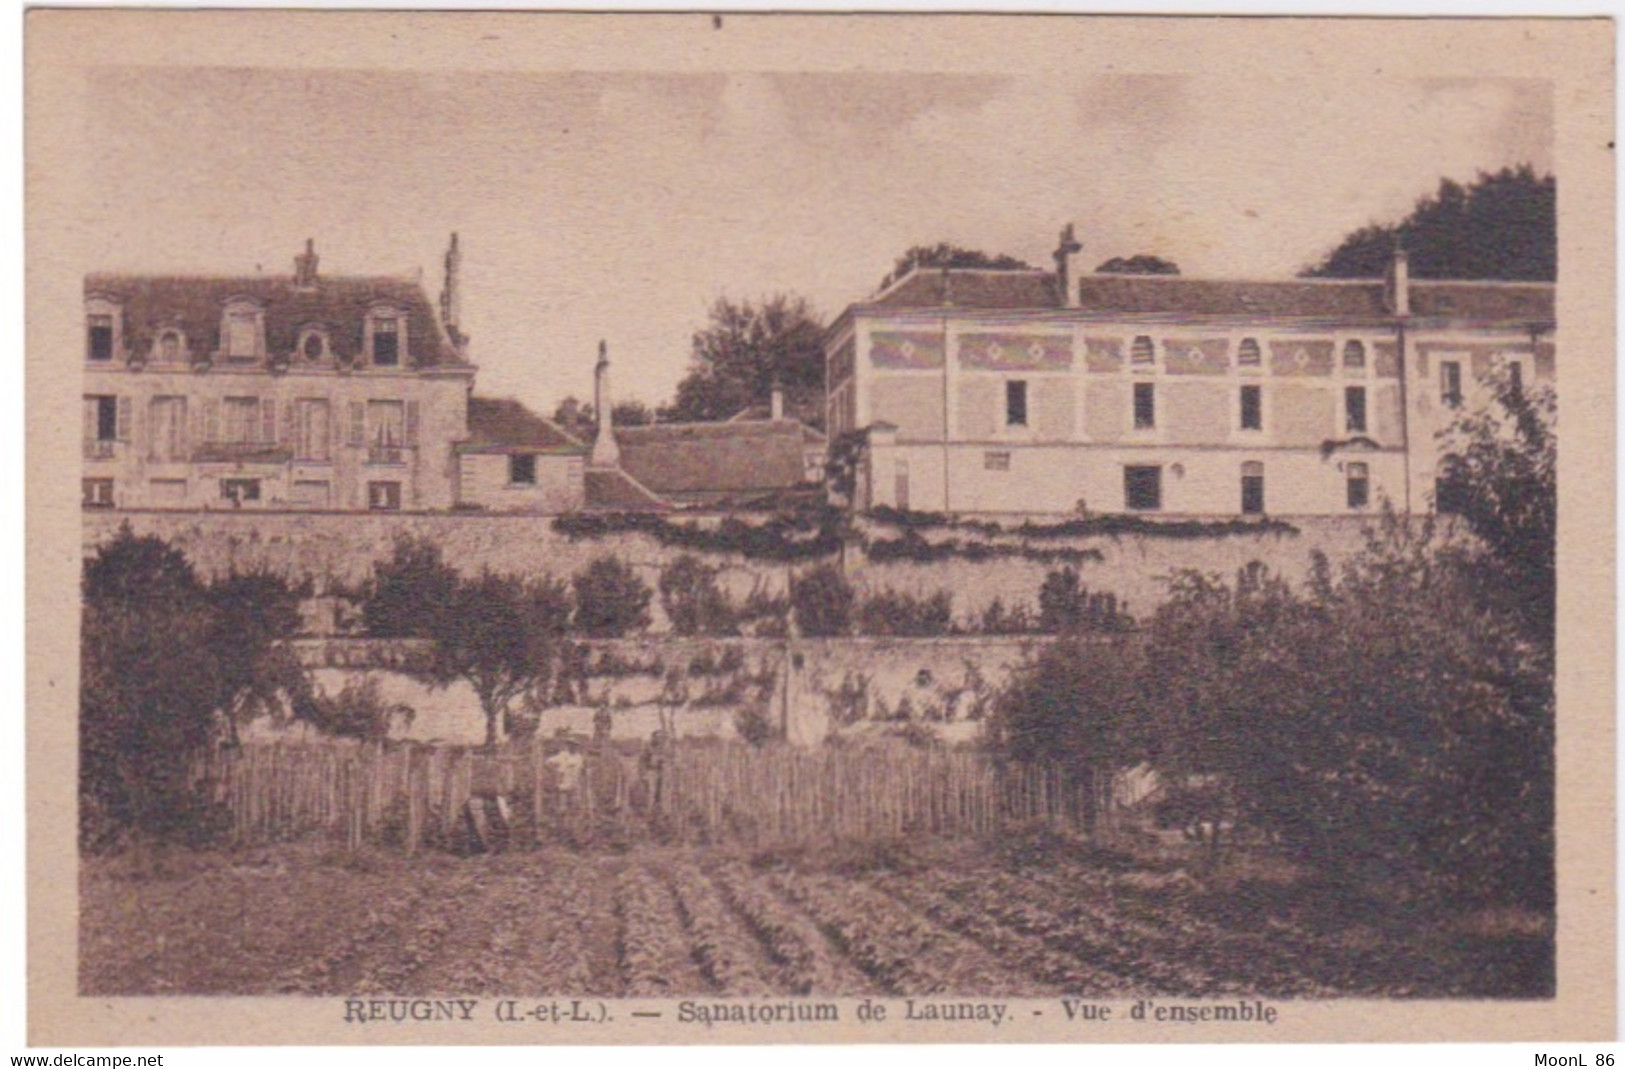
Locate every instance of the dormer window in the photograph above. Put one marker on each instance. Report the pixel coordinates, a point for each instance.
(102, 330)
(242, 331)
(100, 341)
(169, 347)
(386, 337)
(313, 345)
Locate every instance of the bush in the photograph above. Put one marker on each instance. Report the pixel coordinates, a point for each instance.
(611, 601)
(408, 591)
(358, 711)
(1065, 606)
(694, 602)
(822, 602)
(893, 612)
(754, 725)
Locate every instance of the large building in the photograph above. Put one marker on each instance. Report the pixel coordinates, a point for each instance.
(980, 391)
(340, 393)
(273, 391)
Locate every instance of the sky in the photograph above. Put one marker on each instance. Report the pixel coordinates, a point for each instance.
(619, 206)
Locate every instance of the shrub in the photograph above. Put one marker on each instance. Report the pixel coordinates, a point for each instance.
(611, 601)
(408, 591)
(822, 601)
(998, 620)
(754, 725)
(694, 602)
(1065, 606)
(893, 612)
(357, 711)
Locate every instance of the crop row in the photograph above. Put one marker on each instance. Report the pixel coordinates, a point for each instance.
(721, 944)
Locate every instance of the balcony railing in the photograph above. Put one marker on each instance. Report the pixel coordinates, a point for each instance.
(386, 454)
(100, 448)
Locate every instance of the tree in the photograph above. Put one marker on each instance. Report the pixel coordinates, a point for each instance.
(254, 614)
(500, 634)
(822, 602)
(577, 418)
(611, 601)
(745, 350)
(409, 591)
(1137, 265)
(1500, 476)
(1501, 226)
(694, 602)
(149, 688)
(943, 254)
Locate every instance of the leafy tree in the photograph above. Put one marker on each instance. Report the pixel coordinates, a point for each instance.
(501, 635)
(254, 614)
(943, 254)
(357, 711)
(1137, 265)
(1501, 226)
(694, 602)
(1500, 476)
(745, 349)
(1071, 706)
(611, 601)
(409, 591)
(822, 602)
(576, 416)
(1065, 605)
(148, 688)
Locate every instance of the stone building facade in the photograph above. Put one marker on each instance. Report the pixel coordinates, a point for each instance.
(1036, 392)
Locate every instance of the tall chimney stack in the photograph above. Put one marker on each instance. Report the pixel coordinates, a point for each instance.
(451, 296)
(1399, 283)
(606, 453)
(1068, 247)
(304, 266)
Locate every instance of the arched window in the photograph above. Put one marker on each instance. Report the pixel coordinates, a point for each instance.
(1354, 356)
(1249, 354)
(1143, 352)
(171, 346)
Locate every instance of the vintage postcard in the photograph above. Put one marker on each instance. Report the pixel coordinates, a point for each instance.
(745, 528)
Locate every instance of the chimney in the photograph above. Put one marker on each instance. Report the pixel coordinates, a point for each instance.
(605, 452)
(1399, 283)
(776, 404)
(304, 266)
(451, 297)
(1068, 247)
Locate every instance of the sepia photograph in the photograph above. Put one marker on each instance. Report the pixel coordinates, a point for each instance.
(741, 528)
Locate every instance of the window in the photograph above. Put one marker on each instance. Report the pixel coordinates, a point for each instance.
(96, 493)
(171, 347)
(1252, 488)
(1252, 408)
(99, 342)
(312, 430)
(1143, 352)
(1354, 356)
(238, 491)
(1145, 406)
(1015, 403)
(900, 480)
(996, 461)
(101, 418)
(386, 341)
(1450, 382)
(384, 497)
(522, 469)
(242, 420)
(1354, 409)
(166, 423)
(313, 346)
(1249, 355)
(1359, 485)
(1142, 488)
(242, 333)
(386, 431)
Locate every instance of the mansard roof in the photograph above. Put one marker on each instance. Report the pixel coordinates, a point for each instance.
(1178, 295)
(337, 303)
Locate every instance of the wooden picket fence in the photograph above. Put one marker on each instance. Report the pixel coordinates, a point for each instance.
(415, 797)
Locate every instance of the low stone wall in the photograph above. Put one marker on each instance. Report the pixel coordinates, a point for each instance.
(336, 551)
